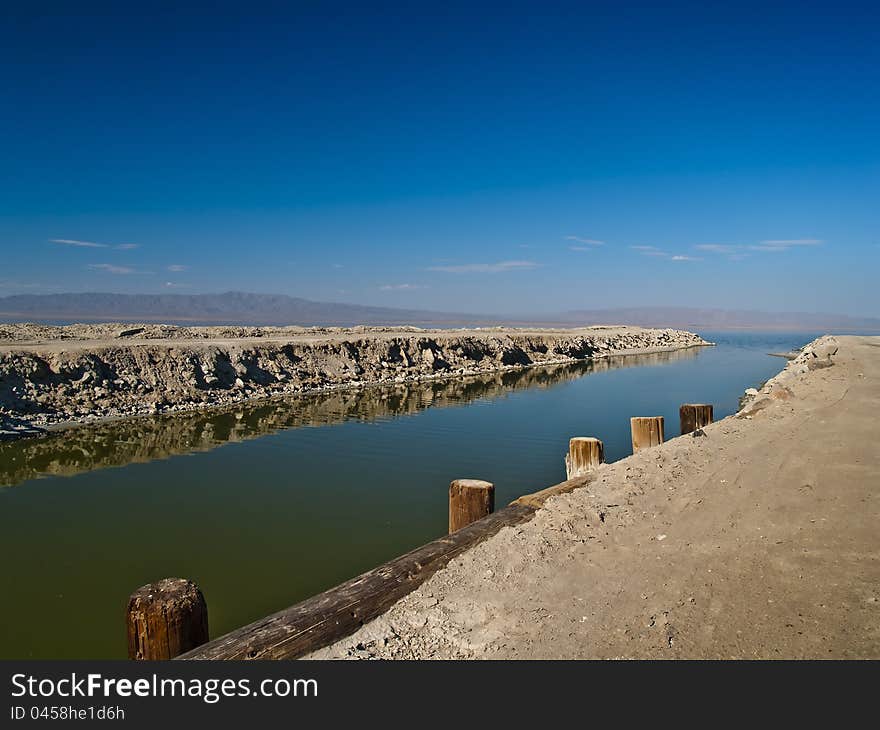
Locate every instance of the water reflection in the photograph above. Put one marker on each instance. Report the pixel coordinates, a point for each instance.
(145, 439)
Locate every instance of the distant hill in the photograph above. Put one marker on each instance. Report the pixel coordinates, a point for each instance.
(242, 308)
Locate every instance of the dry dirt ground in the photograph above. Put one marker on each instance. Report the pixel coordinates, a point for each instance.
(758, 539)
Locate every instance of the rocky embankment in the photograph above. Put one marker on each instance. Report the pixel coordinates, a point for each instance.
(60, 375)
(138, 440)
(814, 356)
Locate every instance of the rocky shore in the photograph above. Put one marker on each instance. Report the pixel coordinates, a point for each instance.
(118, 442)
(53, 376)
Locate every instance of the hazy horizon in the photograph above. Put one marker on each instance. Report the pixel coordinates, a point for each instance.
(526, 162)
(244, 308)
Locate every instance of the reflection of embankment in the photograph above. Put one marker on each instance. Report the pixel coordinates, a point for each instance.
(139, 440)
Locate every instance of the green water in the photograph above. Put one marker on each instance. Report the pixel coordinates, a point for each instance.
(265, 505)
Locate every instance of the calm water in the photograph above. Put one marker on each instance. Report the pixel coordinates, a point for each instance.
(263, 506)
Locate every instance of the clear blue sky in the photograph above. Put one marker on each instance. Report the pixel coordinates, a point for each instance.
(515, 157)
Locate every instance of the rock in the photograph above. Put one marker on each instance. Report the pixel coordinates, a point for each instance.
(820, 364)
(825, 350)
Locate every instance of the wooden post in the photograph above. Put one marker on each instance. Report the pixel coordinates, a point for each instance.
(166, 619)
(469, 500)
(646, 432)
(694, 416)
(584, 455)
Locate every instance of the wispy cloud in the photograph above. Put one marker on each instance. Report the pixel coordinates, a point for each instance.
(495, 268)
(581, 248)
(785, 244)
(724, 248)
(94, 244)
(112, 269)
(79, 244)
(793, 242)
(737, 252)
(177, 267)
(649, 250)
(733, 252)
(400, 287)
(588, 241)
(660, 253)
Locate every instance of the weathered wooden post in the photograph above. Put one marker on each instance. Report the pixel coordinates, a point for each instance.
(646, 432)
(584, 455)
(694, 416)
(469, 500)
(165, 619)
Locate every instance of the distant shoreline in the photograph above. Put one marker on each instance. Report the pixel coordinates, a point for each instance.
(50, 382)
(12, 318)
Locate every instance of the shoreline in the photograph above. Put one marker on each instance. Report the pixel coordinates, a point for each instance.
(722, 544)
(148, 438)
(51, 384)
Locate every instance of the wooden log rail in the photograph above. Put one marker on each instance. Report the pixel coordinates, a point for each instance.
(170, 617)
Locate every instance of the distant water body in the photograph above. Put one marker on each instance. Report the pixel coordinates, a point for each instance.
(266, 504)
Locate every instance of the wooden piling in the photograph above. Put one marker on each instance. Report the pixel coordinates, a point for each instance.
(694, 416)
(584, 455)
(165, 619)
(646, 432)
(469, 500)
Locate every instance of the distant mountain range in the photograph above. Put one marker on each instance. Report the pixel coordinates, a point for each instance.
(242, 308)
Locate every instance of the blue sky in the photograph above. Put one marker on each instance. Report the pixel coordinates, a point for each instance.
(498, 158)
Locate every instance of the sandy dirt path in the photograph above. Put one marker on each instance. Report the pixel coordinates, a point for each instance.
(759, 539)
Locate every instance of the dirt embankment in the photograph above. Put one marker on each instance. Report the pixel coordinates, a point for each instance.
(755, 537)
(57, 375)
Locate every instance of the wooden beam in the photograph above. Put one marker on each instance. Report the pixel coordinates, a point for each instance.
(536, 500)
(339, 612)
